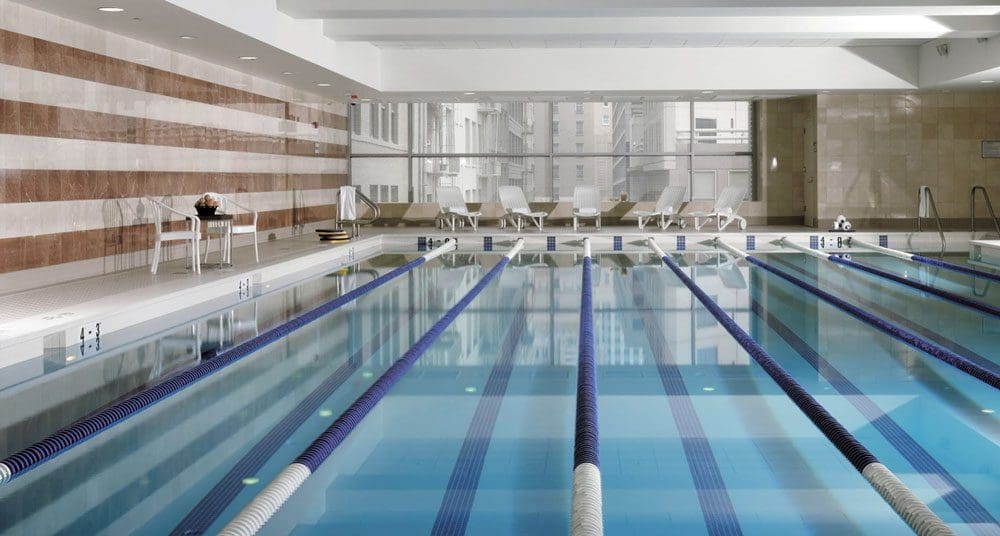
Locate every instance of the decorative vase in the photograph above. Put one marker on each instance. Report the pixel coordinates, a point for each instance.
(206, 211)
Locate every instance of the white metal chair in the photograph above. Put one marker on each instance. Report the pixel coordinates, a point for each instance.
(192, 234)
(725, 211)
(453, 208)
(586, 205)
(516, 209)
(226, 230)
(667, 206)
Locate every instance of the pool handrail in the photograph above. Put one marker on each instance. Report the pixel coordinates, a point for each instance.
(587, 511)
(910, 508)
(62, 440)
(265, 504)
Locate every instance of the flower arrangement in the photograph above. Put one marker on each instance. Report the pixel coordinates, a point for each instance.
(206, 205)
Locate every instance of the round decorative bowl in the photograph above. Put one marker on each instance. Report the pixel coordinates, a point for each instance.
(206, 211)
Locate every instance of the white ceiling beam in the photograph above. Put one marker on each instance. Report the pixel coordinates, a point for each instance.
(662, 70)
(335, 9)
(584, 28)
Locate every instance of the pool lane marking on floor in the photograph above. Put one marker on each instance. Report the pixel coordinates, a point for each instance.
(922, 259)
(456, 504)
(587, 517)
(934, 381)
(201, 517)
(907, 505)
(950, 489)
(83, 429)
(265, 504)
(934, 337)
(967, 366)
(716, 505)
(964, 301)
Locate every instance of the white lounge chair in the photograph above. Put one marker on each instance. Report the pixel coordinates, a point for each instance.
(221, 228)
(192, 234)
(516, 208)
(725, 212)
(667, 206)
(453, 208)
(586, 206)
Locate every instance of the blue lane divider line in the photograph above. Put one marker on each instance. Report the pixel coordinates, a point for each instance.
(952, 491)
(957, 298)
(333, 436)
(201, 517)
(955, 267)
(681, 243)
(550, 243)
(856, 453)
(456, 505)
(83, 429)
(587, 444)
(987, 376)
(892, 316)
(716, 505)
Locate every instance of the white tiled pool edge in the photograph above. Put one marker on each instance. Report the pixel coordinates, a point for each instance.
(28, 337)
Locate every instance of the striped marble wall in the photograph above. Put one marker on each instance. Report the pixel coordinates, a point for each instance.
(90, 122)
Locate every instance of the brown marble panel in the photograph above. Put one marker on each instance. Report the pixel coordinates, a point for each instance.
(33, 185)
(31, 119)
(41, 55)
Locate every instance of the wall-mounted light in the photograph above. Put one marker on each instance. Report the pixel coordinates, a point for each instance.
(942, 49)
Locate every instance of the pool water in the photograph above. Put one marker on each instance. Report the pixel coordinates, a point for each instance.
(478, 437)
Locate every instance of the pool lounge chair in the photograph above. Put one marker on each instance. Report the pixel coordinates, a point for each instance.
(586, 205)
(667, 207)
(516, 209)
(725, 212)
(453, 208)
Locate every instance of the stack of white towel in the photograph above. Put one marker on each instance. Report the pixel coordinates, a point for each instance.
(841, 224)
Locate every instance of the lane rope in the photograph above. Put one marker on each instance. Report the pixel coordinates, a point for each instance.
(917, 515)
(261, 508)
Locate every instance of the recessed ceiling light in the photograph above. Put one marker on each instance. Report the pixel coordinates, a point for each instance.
(286, 73)
(322, 84)
(469, 93)
(188, 37)
(986, 81)
(248, 58)
(987, 411)
(707, 92)
(111, 9)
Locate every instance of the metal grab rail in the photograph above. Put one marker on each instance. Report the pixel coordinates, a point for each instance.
(989, 206)
(931, 206)
(356, 224)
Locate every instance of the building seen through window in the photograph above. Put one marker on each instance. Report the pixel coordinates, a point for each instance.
(636, 148)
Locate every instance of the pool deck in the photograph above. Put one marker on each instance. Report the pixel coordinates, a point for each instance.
(36, 320)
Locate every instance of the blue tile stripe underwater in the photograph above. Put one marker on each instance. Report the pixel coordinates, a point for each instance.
(920, 518)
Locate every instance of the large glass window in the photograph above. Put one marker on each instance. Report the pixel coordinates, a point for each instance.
(631, 148)
(480, 178)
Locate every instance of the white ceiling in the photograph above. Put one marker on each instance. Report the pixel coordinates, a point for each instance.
(446, 49)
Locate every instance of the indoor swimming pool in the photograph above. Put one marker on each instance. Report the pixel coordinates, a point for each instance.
(478, 437)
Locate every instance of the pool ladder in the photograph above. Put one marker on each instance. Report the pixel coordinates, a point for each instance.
(926, 206)
(376, 213)
(989, 206)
